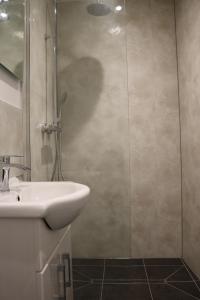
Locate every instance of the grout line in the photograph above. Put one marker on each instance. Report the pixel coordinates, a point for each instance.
(129, 266)
(155, 282)
(81, 287)
(147, 280)
(126, 259)
(111, 280)
(104, 268)
(180, 128)
(174, 287)
(130, 162)
(180, 281)
(173, 273)
(75, 280)
(190, 275)
(82, 274)
(170, 282)
(125, 283)
(123, 266)
(135, 281)
(178, 266)
(100, 266)
(91, 280)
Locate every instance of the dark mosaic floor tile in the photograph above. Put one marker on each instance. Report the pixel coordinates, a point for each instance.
(181, 275)
(188, 287)
(192, 274)
(166, 292)
(78, 284)
(125, 274)
(89, 292)
(169, 273)
(126, 292)
(125, 279)
(163, 261)
(124, 262)
(87, 262)
(84, 273)
(160, 273)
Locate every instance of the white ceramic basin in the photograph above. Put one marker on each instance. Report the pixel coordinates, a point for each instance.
(58, 203)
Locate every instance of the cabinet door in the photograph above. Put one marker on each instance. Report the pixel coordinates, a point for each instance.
(55, 280)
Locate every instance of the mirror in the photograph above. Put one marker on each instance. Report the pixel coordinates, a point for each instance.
(12, 14)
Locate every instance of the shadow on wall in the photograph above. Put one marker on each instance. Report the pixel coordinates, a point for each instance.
(19, 70)
(82, 80)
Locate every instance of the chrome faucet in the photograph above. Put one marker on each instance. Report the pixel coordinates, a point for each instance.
(5, 166)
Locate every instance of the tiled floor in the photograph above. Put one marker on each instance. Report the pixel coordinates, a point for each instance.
(134, 279)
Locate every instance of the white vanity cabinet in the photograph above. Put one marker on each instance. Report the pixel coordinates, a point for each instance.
(35, 262)
(55, 280)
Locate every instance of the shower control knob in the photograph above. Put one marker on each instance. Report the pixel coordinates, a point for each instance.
(49, 128)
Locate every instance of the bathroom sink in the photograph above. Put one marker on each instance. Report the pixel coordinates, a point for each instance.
(58, 203)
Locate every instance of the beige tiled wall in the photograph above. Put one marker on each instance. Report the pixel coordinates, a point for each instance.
(188, 24)
(154, 129)
(41, 91)
(121, 127)
(92, 70)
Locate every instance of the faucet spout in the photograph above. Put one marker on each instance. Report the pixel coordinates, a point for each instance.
(18, 166)
(5, 166)
(5, 179)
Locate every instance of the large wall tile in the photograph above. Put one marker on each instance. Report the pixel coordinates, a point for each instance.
(121, 127)
(188, 23)
(92, 70)
(102, 229)
(154, 125)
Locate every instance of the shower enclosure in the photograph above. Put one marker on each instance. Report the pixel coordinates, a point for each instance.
(129, 125)
(125, 95)
(120, 125)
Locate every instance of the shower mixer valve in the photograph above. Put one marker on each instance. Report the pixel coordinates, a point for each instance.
(50, 128)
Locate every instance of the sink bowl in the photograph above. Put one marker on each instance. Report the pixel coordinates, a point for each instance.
(58, 203)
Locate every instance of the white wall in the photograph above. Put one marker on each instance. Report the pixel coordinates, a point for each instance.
(10, 90)
(11, 126)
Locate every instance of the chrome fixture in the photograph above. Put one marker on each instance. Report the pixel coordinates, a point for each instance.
(3, 16)
(5, 166)
(3, 13)
(98, 9)
(3, 1)
(118, 8)
(50, 128)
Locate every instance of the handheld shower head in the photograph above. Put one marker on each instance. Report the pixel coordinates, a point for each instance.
(64, 99)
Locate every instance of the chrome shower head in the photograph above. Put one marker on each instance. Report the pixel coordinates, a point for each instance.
(98, 9)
